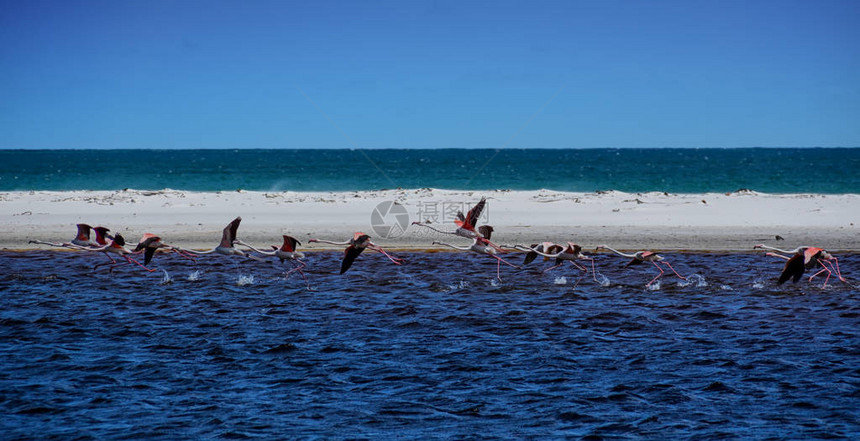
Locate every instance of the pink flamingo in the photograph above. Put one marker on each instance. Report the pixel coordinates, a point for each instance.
(482, 246)
(356, 245)
(571, 253)
(82, 239)
(644, 256)
(802, 259)
(467, 225)
(150, 243)
(287, 252)
(226, 248)
(117, 246)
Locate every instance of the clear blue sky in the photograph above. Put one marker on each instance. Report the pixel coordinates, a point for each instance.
(272, 74)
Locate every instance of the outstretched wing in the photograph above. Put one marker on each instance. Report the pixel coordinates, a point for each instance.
(147, 255)
(531, 255)
(485, 231)
(290, 243)
(349, 256)
(229, 234)
(146, 241)
(635, 261)
(119, 240)
(475, 213)
(793, 269)
(83, 232)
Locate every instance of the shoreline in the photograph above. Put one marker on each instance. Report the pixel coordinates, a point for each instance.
(659, 221)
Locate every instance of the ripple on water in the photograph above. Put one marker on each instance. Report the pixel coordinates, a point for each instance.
(436, 348)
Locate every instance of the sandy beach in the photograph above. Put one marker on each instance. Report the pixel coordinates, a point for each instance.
(694, 222)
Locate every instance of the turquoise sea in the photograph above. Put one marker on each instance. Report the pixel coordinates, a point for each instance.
(768, 170)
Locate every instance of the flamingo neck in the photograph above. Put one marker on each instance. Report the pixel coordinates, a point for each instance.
(618, 252)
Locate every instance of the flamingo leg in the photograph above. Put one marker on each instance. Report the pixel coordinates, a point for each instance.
(658, 275)
(499, 265)
(823, 269)
(593, 271)
(836, 263)
(552, 267)
(130, 260)
(395, 260)
(186, 254)
(498, 248)
(673, 270)
(112, 262)
(581, 276)
(297, 266)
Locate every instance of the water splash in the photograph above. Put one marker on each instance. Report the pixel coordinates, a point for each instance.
(758, 283)
(696, 280)
(654, 286)
(166, 280)
(560, 280)
(245, 280)
(726, 288)
(494, 282)
(194, 276)
(602, 280)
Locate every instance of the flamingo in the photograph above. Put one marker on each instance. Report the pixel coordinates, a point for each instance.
(117, 246)
(228, 236)
(644, 256)
(482, 246)
(150, 243)
(81, 241)
(466, 225)
(287, 252)
(571, 253)
(357, 244)
(804, 258)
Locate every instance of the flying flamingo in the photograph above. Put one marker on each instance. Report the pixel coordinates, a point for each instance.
(644, 256)
(467, 225)
(482, 246)
(804, 258)
(116, 246)
(571, 253)
(81, 241)
(228, 236)
(287, 252)
(357, 244)
(150, 243)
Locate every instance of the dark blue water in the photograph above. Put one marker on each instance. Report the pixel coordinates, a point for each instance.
(784, 170)
(432, 349)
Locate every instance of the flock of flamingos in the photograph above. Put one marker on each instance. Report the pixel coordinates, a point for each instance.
(797, 261)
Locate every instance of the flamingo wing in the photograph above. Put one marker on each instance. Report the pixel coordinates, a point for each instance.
(531, 255)
(102, 235)
(83, 232)
(147, 241)
(635, 261)
(289, 244)
(349, 256)
(485, 231)
(119, 240)
(475, 213)
(810, 255)
(793, 269)
(229, 234)
(147, 255)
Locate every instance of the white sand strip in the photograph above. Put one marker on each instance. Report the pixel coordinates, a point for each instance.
(659, 221)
